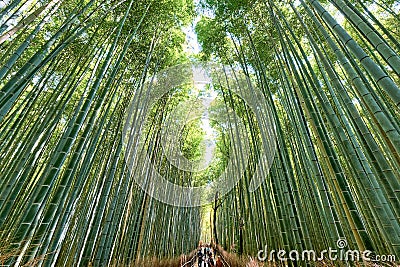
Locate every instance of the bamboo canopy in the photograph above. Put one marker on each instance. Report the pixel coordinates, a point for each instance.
(104, 127)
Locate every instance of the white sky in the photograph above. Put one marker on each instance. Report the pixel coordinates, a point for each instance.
(210, 133)
(192, 44)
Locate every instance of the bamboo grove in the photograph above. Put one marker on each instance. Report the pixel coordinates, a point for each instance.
(329, 77)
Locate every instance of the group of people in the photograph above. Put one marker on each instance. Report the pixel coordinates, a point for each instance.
(205, 257)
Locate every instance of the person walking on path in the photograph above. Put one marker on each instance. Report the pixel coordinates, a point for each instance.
(200, 257)
(218, 263)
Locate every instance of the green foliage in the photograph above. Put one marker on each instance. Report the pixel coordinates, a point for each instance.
(332, 91)
(212, 36)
